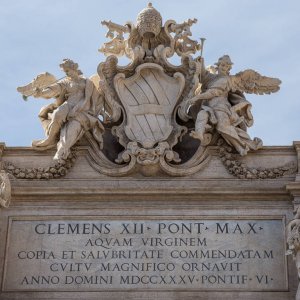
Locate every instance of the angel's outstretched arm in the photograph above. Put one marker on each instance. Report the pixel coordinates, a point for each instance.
(51, 91)
(209, 94)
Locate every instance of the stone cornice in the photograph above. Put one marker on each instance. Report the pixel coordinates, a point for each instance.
(213, 183)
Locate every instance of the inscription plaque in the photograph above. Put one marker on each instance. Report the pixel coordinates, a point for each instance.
(105, 254)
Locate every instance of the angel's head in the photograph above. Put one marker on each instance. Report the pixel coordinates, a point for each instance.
(70, 68)
(224, 65)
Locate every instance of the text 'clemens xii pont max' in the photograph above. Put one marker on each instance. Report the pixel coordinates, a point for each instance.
(97, 255)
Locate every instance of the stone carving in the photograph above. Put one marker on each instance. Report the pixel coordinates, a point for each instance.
(183, 44)
(293, 234)
(293, 241)
(242, 171)
(149, 105)
(76, 109)
(224, 108)
(148, 122)
(5, 190)
(117, 45)
(57, 169)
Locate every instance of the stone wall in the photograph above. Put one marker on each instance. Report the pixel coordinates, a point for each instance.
(206, 236)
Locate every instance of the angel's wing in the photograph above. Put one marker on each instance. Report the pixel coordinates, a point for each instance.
(40, 81)
(252, 82)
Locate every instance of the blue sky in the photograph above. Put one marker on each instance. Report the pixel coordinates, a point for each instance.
(35, 35)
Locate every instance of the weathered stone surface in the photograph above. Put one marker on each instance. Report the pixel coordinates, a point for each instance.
(161, 197)
(210, 196)
(103, 254)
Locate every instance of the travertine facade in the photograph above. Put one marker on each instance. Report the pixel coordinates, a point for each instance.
(43, 211)
(147, 184)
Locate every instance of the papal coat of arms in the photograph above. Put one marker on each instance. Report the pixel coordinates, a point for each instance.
(143, 116)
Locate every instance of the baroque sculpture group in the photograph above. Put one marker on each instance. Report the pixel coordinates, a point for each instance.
(150, 116)
(149, 106)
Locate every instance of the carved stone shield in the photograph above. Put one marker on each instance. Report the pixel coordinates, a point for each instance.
(149, 98)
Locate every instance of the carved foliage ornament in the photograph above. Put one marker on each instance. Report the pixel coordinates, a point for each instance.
(149, 105)
(293, 243)
(5, 189)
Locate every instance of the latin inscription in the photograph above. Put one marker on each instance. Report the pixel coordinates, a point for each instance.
(152, 254)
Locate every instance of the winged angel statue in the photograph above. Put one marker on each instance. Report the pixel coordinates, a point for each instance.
(224, 108)
(75, 111)
(157, 111)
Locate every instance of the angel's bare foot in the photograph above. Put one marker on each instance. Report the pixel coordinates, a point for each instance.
(242, 150)
(197, 135)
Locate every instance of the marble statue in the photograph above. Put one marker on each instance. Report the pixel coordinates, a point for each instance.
(224, 107)
(293, 241)
(150, 105)
(75, 110)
